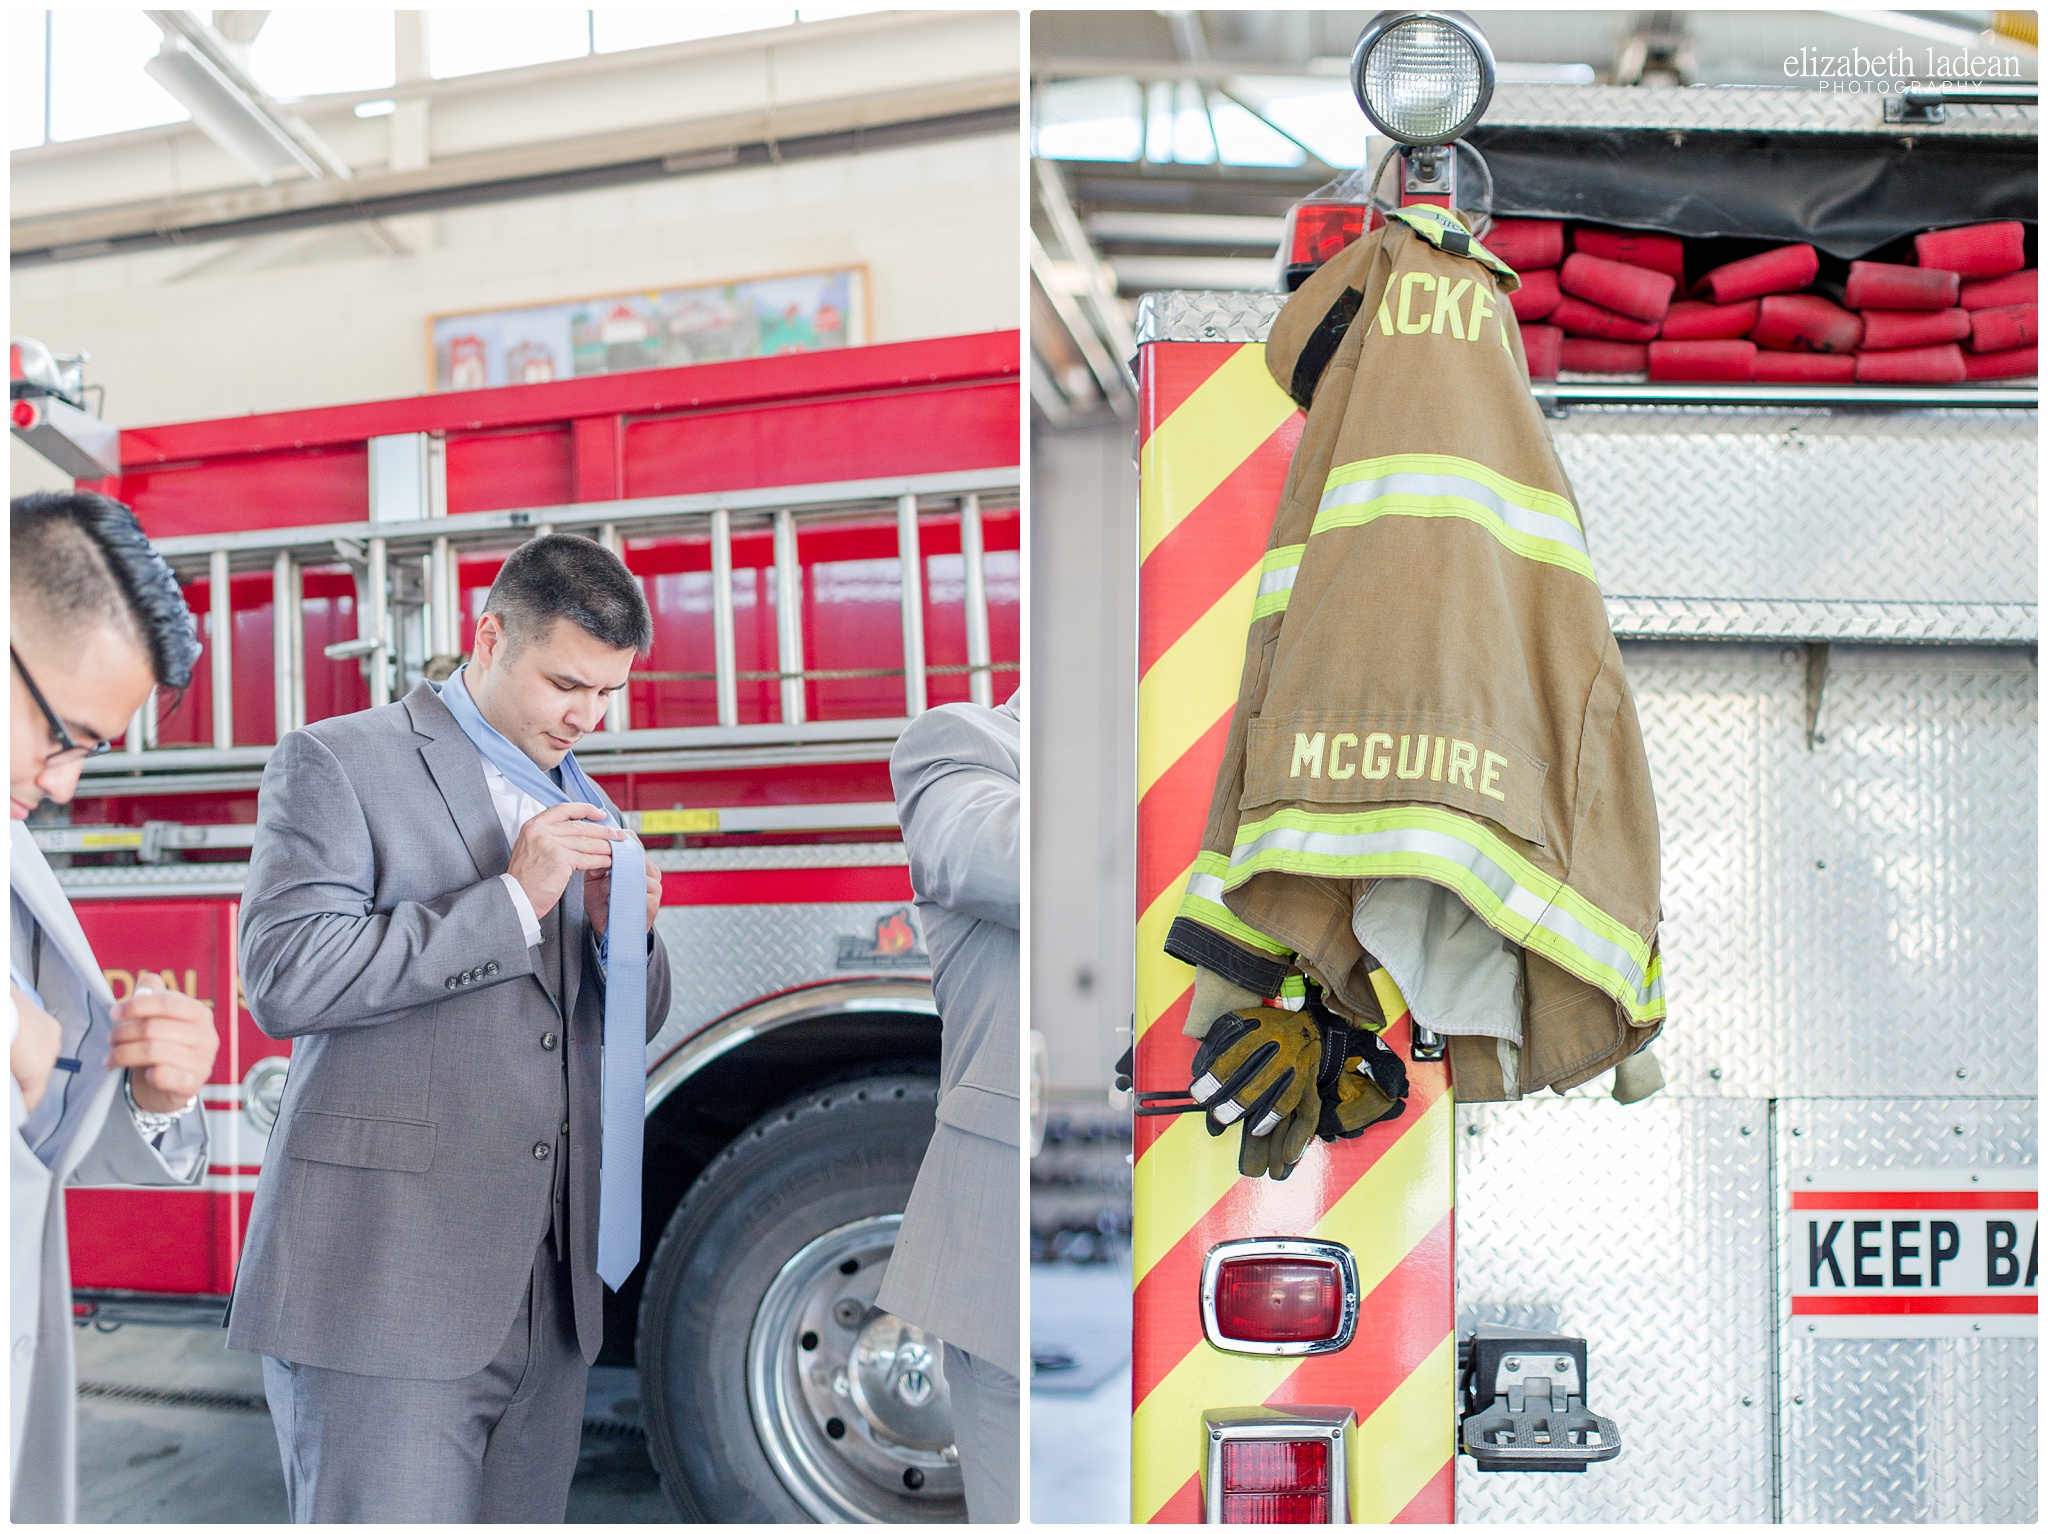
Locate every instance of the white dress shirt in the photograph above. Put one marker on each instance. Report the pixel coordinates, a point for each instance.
(515, 808)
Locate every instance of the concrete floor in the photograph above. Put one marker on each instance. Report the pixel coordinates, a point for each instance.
(1081, 1413)
(173, 1460)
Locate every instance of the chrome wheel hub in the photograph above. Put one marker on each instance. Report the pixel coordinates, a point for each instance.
(849, 1401)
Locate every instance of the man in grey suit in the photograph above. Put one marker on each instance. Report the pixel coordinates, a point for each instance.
(956, 774)
(101, 1092)
(420, 1271)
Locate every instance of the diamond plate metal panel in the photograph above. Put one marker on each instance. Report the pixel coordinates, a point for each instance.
(1852, 920)
(1645, 1230)
(722, 957)
(1880, 622)
(1931, 506)
(1206, 316)
(1738, 109)
(1934, 1430)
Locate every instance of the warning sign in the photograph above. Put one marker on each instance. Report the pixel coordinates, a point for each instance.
(1915, 1253)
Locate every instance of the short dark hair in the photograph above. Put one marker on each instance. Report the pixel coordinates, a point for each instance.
(82, 559)
(566, 576)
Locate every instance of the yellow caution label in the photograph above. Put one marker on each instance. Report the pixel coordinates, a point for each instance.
(93, 841)
(678, 822)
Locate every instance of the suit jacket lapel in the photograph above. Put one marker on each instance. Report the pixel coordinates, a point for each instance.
(32, 880)
(458, 772)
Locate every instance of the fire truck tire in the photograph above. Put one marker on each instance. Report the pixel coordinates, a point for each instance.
(772, 1389)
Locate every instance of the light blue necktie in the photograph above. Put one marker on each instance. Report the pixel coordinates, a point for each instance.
(625, 989)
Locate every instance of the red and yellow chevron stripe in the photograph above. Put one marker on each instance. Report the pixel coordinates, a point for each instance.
(1216, 435)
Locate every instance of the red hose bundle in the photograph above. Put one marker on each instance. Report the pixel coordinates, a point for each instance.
(1996, 292)
(1784, 270)
(1701, 361)
(1920, 364)
(1631, 290)
(1578, 355)
(1576, 317)
(1536, 297)
(1801, 368)
(1881, 285)
(1690, 321)
(1541, 345)
(1890, 330)
(2020, 362)
(1976, 250)
(1805, 322)
(1658, 252)
(2000, 330)
(1526, 244)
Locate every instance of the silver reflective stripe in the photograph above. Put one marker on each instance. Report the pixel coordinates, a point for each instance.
(1206, 887)
(1523, 903)
(1523, 519)
(1281, 579)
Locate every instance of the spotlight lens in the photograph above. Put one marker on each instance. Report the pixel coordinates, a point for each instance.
(1423, 80)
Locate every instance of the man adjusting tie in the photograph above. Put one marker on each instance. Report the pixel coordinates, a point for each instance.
(444, 914)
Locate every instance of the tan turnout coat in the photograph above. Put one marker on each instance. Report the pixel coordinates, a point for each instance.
(1434, 761)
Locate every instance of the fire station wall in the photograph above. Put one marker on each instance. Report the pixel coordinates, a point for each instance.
(329, 316)
(1084, 682)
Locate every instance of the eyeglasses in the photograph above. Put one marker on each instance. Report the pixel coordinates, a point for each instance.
(68, 750)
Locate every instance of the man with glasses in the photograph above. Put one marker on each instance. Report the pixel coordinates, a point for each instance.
(104, 1093)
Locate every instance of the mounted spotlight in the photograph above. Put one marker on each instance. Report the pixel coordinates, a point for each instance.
(1423, 77)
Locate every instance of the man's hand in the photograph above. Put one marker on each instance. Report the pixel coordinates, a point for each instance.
(166, 1041)
(557, 843)
(597, 896)
(36, 1045)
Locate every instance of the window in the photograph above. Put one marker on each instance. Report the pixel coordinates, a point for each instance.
(320, 53)
(96, 79)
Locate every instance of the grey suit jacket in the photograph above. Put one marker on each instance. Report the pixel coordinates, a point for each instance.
(413, 1169)
(956, 774)
(103, 1148)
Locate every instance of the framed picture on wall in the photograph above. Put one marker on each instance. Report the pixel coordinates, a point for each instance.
(671, 327)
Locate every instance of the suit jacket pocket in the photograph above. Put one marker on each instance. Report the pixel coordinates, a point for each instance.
(343, 1139)
(992, 1115)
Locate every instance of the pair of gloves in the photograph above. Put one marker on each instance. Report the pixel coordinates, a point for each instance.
(1286, 1076)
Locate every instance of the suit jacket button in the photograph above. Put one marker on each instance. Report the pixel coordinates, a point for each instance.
(491, 968)
(547, 1041)
(541, 1151)
(451, 982)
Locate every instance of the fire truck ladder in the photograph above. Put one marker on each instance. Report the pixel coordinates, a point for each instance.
(405, 562)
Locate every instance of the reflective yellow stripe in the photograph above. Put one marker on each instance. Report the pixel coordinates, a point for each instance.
(1194, 683)
(1206, 440)
(1204, 904)
(1411, 1436)
(1513, 896)
(1536, 524)
(1162, 979)
(1276, 580)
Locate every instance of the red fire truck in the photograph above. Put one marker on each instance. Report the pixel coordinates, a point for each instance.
(830, 545)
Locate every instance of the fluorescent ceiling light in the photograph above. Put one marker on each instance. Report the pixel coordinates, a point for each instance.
(382, 108)
(225, 113)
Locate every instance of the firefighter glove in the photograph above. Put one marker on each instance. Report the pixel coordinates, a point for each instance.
(1256, 1065)
(1275, 1155)
(1361, 1082)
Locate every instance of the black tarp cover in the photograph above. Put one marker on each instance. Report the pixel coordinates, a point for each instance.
(1849, 194)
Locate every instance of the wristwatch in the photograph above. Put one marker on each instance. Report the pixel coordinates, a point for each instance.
(153, 1124)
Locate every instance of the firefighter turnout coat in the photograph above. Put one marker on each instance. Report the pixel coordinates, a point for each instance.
(1434, 764)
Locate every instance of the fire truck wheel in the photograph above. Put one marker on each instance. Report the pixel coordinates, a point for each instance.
(773, 1389)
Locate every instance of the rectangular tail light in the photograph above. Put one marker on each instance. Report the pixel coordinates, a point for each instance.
(1283, 1480)
(1277, 1464)
(1279, 1296)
